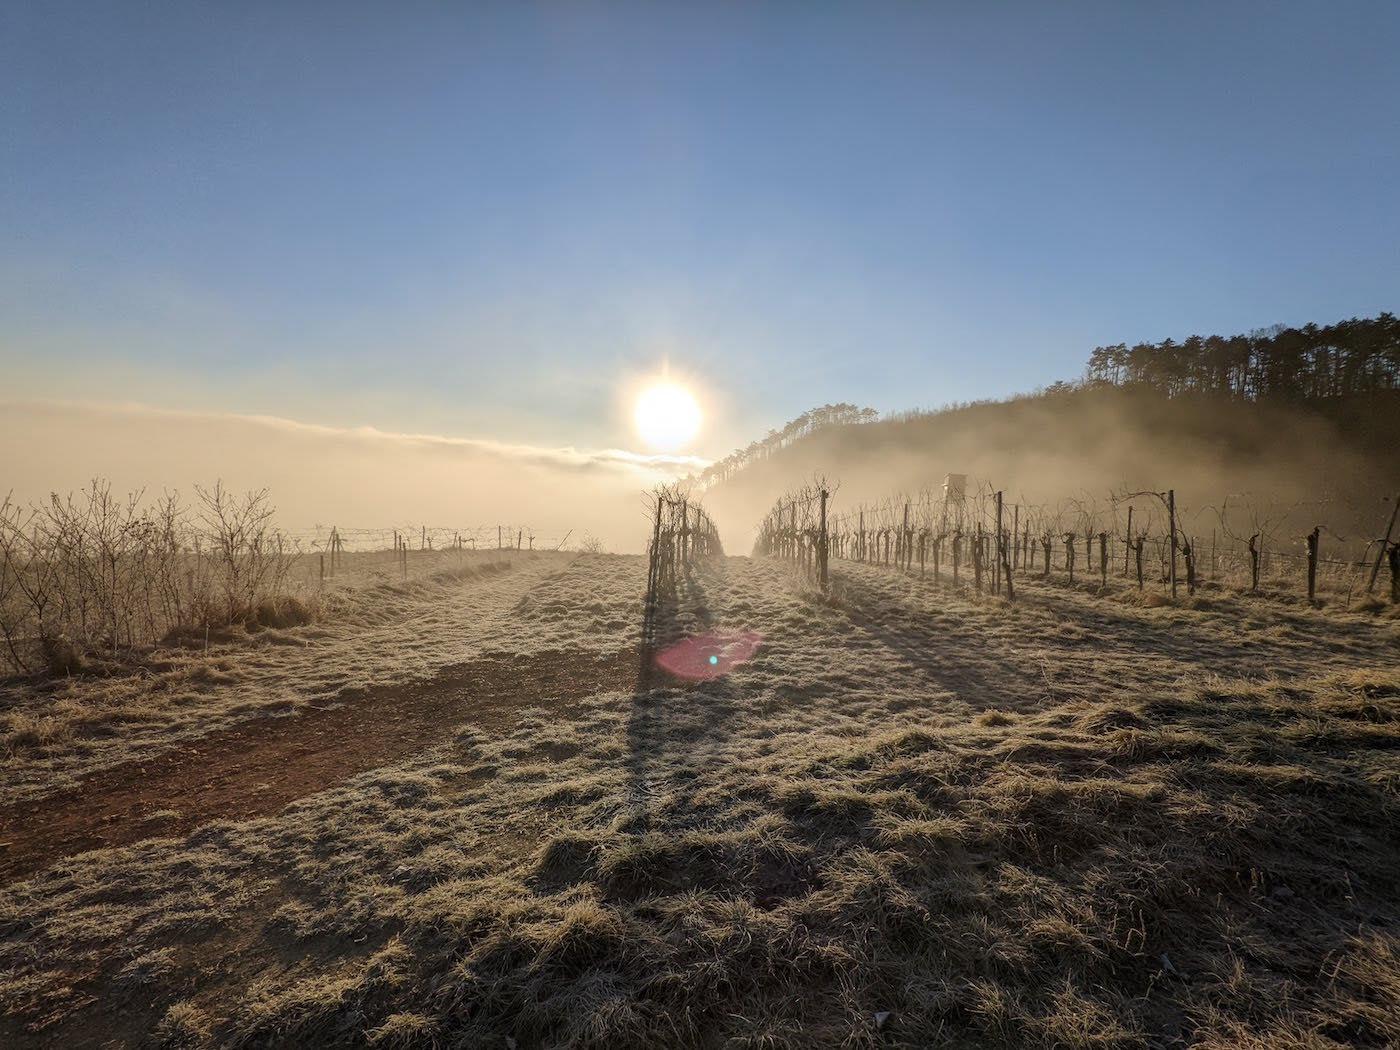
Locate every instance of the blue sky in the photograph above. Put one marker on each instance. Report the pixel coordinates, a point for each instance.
(488, 221)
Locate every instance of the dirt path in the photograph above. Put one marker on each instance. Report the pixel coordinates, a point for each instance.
(386, 634)
(256, 767)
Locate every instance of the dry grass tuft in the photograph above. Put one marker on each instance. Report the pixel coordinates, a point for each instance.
(184, 1027)
(283, 612)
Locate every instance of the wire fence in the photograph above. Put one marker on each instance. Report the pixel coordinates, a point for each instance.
(94, 574)
(416, 536)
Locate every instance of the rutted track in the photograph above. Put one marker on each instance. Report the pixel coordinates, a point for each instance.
(258, 766)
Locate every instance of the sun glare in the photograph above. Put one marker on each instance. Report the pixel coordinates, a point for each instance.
(667, 417)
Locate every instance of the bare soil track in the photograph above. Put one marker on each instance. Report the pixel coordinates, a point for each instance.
(254, 769)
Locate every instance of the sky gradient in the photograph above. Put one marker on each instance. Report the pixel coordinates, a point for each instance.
(491, 222)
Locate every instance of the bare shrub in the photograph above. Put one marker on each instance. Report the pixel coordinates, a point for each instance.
(89, 573)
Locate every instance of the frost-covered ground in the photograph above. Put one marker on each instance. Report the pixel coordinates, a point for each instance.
(915, 817)
(378, 630)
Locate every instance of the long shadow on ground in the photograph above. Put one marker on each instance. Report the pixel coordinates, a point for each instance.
(674, 726)
(953, 657)
(1213, 638)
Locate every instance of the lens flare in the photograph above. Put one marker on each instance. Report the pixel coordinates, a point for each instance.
(710, 655)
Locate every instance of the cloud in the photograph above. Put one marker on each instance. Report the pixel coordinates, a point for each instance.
(352, 476)
(566, 457)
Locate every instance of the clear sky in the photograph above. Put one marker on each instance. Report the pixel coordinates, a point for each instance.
(485, 222)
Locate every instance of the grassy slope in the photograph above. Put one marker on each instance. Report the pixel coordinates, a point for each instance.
(1073, 822)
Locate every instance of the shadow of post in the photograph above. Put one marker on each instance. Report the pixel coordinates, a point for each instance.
(667, 712)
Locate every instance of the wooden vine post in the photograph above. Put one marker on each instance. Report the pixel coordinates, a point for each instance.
(1314, 542)
(977, 559)
(1005, 554)
(908, 540)
(655, 551)
(1171, 521)
(1385, 545)
(1128, 541)
(822, 542)
(996, 551)
(685, 532)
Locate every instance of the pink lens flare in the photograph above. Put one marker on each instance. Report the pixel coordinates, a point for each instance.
(709, 655)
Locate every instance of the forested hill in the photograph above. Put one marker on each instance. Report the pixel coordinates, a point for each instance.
(1309, 414)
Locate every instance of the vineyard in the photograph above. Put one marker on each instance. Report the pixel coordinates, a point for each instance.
(91, 576)
(974, 536)
(681, 534)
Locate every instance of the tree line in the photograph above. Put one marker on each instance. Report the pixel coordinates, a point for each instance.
(1353, 357)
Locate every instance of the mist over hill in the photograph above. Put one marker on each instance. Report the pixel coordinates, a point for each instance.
(1277, 418)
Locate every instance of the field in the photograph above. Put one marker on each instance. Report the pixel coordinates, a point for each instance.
(469, 809)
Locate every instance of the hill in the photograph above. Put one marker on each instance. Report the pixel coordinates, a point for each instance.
(1336, 454)
(1296, 422)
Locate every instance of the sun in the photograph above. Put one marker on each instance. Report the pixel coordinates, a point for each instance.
(667, 416)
